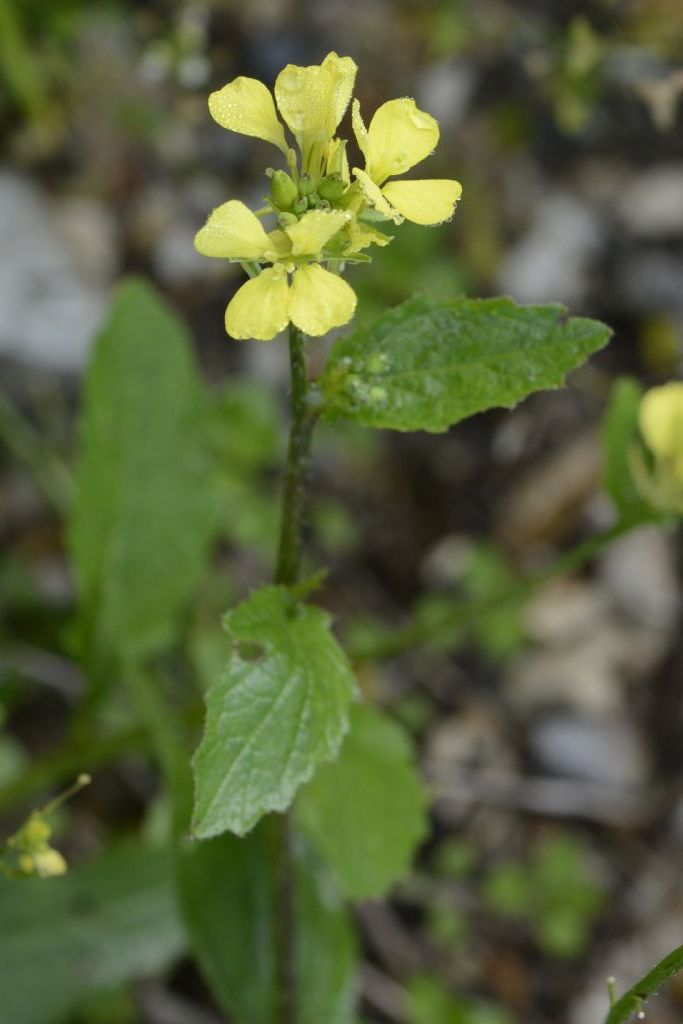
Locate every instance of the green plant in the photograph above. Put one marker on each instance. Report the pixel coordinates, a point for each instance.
(554, 891)
(304, 796)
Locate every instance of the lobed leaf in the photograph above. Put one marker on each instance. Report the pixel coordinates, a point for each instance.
(271, 719)
(426, 365)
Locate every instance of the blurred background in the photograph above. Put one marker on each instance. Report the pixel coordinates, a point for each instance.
(551, 735)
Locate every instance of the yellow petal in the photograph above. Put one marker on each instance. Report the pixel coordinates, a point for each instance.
(233, 232)
(359, 129)
(314, 230)
(399, 137)
(660, 418)
(429, 201)
(320, 300)
(259, 309)
(373, 195)
(312, 100)
(245, 105)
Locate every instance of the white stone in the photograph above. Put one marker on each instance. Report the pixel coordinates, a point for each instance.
(48, 314)
(553, 261)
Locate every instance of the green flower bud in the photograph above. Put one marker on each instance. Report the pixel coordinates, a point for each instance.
(285, 220)
(300, 204)
(306, 185)
(313, 200)
(331, 187)
(283, 190)
(324, 204)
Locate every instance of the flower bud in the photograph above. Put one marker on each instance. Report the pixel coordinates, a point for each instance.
(300, 204)
(313, 200)
(306, 185)
(285, 220)
(324, 204)
(283, 190)
(331, 187)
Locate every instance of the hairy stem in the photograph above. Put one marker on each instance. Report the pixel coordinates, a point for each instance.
(296, 471)
(287, 572)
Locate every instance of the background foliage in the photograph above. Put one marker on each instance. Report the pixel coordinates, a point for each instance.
(547, 725)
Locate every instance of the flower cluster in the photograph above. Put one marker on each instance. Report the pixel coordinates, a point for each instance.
(29, 851)
(660, 419)
(323, 214)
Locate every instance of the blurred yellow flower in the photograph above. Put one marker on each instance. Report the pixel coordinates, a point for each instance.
(660, 418)
(399, 137)
(28, 851)
(46, 863)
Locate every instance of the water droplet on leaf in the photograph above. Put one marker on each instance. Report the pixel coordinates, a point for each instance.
(378, 363)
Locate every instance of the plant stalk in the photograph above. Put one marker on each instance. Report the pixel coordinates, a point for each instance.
(287, 572)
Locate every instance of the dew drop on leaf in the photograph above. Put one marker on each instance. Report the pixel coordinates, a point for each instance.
(378, 363)
(377, 396)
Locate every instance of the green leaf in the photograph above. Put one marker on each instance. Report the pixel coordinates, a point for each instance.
(365, 812)
(272, 718)
(620, 428)
(144, 511)
(99, 926)
(426, 365)
(631, 1002)
(227, 893)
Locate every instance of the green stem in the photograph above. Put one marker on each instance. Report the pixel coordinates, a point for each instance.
(416, 634)
(287, 572)
(298, 459)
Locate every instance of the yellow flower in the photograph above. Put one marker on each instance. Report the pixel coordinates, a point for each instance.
(312, 101)
(46, 863)
(315, 301)
(660, 418)
(322, 217)
(399, 137)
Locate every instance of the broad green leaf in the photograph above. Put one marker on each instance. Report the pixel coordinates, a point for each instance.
(101, 925)
(365, 812)
(227, 888)
(144, 510)
(620, 428)
(278, 711)
(426, 365)
(631, 1002)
